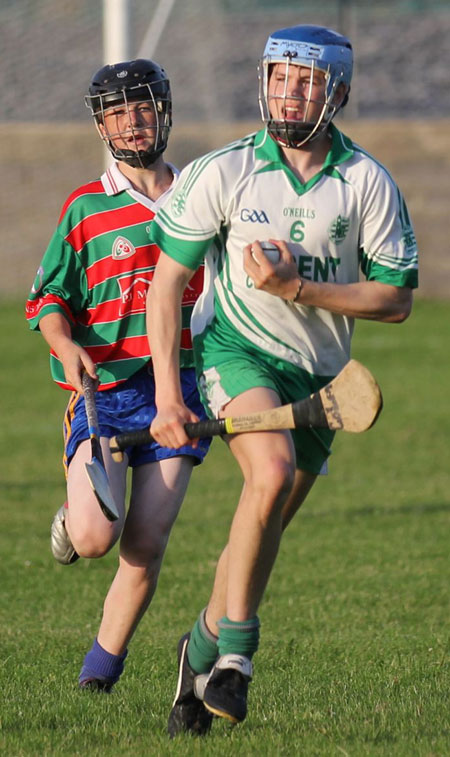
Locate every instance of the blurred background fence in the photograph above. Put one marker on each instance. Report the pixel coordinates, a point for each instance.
(399, 106)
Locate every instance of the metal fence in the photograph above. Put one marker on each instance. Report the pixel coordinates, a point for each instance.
(210, 48)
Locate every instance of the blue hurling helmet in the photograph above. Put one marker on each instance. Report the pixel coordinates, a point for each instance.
(317, 48)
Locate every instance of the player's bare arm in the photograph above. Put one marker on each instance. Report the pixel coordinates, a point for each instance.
(164, 332)
(57, 333)
(370, 300)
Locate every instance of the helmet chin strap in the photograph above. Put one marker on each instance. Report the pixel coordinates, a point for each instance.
(295, 135)
(139, 158)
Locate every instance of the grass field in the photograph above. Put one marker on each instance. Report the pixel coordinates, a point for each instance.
(354, 656)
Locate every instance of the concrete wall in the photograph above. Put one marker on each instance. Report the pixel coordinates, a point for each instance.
(41, 164)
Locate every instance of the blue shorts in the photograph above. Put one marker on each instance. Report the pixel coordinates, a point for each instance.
(127, 407)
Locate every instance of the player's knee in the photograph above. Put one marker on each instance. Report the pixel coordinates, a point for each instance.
(92, 550)
(146, 549)
(274, 480)
(277, 475)
(91, 543)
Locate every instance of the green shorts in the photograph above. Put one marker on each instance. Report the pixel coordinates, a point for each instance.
(247, 369)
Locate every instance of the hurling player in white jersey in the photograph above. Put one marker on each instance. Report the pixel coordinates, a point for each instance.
(265, 332)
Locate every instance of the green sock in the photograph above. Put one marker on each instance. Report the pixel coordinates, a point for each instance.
(238, 637)
(202, 647)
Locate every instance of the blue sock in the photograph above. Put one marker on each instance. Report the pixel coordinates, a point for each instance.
(102, 665)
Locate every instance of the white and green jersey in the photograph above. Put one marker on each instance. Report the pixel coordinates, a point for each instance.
(349, 217)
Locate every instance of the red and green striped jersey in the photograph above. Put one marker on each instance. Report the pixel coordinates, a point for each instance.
(96, 272)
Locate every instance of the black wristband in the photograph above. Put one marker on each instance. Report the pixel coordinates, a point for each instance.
(297, 294)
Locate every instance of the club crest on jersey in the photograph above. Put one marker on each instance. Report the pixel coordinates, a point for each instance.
(179, 202)
(122, 248)
(409, 238)
(337, 231)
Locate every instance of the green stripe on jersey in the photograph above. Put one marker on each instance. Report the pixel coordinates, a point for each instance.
(87, 271)
(244, 317)
(184, 251)
(199, 165)
(231, 197)
(375, 272)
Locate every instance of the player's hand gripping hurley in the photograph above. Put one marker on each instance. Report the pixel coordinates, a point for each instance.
(350, 402)
(96, 468)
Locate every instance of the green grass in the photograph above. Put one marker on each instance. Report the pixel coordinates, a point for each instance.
(354, 655)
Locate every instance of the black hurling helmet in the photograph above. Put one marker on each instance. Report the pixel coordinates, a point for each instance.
(132, 81)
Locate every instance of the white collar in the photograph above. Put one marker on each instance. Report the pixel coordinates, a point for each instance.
(114, 182)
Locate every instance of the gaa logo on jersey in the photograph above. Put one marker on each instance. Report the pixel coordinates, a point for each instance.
(254, 216)
(179, 202)
(122, 248)
(337, 230)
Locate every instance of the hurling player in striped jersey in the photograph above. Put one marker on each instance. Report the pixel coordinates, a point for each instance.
(88, 301)
(268, 332)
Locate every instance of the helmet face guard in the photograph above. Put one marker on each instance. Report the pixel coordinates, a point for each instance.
(319, 50)
(141, 87)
